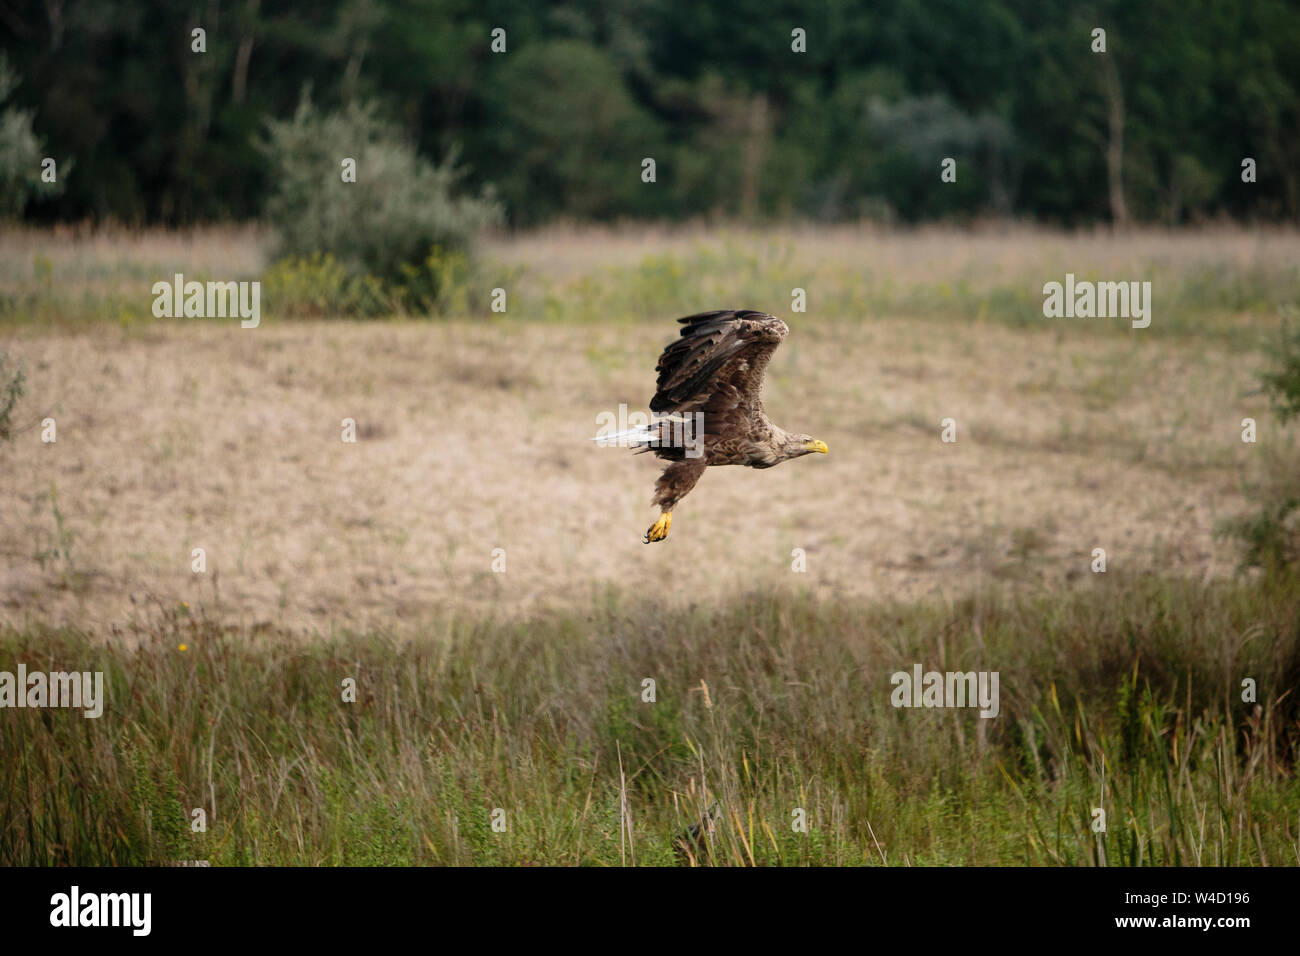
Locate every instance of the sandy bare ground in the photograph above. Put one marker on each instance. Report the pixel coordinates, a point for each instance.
(473, 436)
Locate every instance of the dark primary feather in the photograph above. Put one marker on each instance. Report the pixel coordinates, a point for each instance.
(717, 364)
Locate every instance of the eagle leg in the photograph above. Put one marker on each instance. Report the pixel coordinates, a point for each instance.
(659, 530)
(678, 479)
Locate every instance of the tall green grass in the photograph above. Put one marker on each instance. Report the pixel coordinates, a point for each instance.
(1125, 696)
(1223, 303)
(1238, 305)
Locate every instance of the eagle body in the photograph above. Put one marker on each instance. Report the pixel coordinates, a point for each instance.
(712, 374)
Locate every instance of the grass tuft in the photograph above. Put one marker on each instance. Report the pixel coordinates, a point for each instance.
(768, 708)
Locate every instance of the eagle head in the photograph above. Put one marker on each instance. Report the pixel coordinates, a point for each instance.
(798, 445)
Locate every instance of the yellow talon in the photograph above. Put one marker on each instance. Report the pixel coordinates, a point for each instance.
(659, 530)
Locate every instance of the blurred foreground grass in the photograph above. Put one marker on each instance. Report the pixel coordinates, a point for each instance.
(1131, 703)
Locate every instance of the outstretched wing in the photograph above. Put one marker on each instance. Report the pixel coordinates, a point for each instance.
(717, 366)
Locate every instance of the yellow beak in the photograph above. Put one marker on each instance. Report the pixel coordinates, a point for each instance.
(816, 445)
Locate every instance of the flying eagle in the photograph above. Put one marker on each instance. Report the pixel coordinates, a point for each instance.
(713, 376)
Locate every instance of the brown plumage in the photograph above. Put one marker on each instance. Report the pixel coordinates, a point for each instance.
(712, 376)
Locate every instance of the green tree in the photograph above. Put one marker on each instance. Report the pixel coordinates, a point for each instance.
(567, 138)
(21, 152)
(384, 223)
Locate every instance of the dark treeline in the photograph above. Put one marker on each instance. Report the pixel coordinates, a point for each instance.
(739, 125)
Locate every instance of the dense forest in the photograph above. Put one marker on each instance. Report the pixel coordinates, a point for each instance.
(829, 110)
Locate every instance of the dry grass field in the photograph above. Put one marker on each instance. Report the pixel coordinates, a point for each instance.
(473, 435)
(521, 689)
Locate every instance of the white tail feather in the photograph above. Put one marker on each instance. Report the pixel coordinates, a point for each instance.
(641, 433)
(630, 435)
